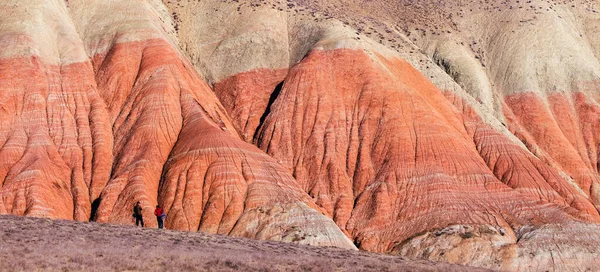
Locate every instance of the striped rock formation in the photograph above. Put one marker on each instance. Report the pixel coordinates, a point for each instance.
(98, 99)
(429, 162)
(455, 131)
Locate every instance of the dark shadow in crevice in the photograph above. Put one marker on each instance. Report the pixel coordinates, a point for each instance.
(272, 99)
(356, 243)
(95, 206)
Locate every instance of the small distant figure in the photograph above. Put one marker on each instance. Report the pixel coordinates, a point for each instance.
(160, 216)
(137, 213)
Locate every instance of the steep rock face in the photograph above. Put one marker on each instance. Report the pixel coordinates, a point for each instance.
(535, 68)
(389, 157)
(568, 139)
(218, 184)
(520, 169)
(164, 118)
(55, 145)
(358, 160)
(137, 104)
(247, 97)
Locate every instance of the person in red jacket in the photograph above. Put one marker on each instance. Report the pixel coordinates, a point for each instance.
(160, 216)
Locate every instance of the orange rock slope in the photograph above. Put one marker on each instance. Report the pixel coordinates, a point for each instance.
(376, 146)
(87, 139)
(288, 123)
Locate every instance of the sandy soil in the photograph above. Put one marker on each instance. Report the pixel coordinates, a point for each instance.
(34, 244)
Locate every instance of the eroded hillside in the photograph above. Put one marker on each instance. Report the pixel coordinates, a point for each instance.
(450, 130)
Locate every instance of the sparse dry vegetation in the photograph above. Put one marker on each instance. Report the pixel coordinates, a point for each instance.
(34, 244)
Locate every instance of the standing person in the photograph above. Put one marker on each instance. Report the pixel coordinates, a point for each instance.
(137, 213)
(160, 215)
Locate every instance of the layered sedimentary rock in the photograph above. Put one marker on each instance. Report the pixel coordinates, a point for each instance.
(56, 140)
(409, 164)
(89, 129)
(449, 131)
(387, 154)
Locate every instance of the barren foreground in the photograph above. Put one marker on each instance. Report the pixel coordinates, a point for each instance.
(56, 245)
